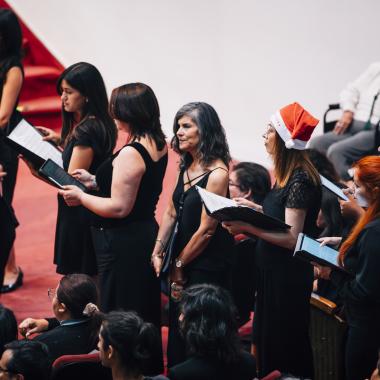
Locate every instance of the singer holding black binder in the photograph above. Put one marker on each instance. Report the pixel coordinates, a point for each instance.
(284, 284)
(88, 138)
(202, 250)
(130, 183)
(360, 291)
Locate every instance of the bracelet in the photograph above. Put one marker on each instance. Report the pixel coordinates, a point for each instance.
(94, 184)
(162, 244)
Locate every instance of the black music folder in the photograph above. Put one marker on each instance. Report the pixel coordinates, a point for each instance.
(57, 176)
(28, 141)
(224, 209)
(311, 250)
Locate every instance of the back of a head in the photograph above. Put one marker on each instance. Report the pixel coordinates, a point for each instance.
(324, 166)
(8, 327)
(29, 358)
(10, 32)
(209, 323)
(76, 291)
(254, 177)
(137, 105)
(135, 342)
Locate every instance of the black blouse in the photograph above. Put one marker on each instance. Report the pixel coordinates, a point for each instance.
(300, 193)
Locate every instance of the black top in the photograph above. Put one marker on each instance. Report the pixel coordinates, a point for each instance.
(218, 252)
(361, 291)
(148, 192)
(70, 339)
(5, 66)
(300, 193)
(90, 133)
(197, 368)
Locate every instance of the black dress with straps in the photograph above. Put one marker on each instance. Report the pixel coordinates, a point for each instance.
(73, 249)
(212, 266)
(124, 246)
(284, 285)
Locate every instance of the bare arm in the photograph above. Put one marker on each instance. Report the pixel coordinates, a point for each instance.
(11, 90)
(218, 184)
(81, 158)
(288, 239)
(128, 170)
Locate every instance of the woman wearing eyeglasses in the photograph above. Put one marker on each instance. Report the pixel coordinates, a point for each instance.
(75, 326)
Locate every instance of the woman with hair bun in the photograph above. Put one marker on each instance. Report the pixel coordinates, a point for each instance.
(360, 290)
(75, 326)
(128, 346)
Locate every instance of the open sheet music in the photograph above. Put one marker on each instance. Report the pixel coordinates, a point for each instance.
(28, 141)
(224, 209)
(311, 250)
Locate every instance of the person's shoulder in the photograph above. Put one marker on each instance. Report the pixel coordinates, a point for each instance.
(192, 368)
(218, 172)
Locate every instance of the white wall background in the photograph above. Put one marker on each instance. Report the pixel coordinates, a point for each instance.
(245, 57)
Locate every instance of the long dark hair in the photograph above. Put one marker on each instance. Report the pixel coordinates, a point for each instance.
(135, 341)
(87, 79)
(213, 143)
(11, 35)
(137, 105)
(209, 323)
(332, 215)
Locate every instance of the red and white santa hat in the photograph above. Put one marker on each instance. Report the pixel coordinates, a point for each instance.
(294, 125)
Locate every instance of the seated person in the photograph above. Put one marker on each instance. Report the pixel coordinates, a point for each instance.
(208, 325)
(128, 345)
(8, 327)
(249, 183)
(25, 360)
(354, 133)
(76, 324)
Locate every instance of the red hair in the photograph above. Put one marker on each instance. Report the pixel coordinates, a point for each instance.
(368, 173)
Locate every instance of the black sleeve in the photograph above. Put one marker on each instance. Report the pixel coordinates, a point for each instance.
(53, 323)
(300, 194)
(365, 286)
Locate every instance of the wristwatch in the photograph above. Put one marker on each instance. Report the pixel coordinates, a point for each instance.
(179, 263)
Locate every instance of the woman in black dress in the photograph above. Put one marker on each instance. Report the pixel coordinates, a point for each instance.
(88, 138)
(11, 80)
(284, 284)
(360, 288)
(202, 251)
(130, 183)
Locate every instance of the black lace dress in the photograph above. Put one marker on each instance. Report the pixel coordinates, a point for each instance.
(284, 285)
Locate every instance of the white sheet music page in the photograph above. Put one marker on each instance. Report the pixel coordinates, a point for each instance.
(213, 201)
(26, 135)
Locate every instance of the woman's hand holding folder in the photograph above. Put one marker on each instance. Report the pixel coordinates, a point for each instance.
(72, 195)
(50, 135)
(248, 203)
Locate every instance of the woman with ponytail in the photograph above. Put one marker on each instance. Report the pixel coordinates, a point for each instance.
(360, 256)
(129, 346)
(77, 319)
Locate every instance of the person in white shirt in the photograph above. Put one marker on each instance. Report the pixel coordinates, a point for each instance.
(354, 133)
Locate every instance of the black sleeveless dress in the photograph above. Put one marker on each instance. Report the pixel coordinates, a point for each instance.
(124, 246)
(212, 266)
(284, 285)
(73, 249)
